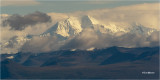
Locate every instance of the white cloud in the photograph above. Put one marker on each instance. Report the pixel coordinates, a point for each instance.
(89, 39)
(85, 40)
(40, 44)
(145, 14)
(18, 2)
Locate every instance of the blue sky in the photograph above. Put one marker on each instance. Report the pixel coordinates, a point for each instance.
(64, 6)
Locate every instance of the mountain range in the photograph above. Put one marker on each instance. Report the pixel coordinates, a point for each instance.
(71, 27)
(72, 62)
(109, 63)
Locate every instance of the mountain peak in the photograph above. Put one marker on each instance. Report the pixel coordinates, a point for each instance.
(88, 21)
(73, 25)
(66, 28)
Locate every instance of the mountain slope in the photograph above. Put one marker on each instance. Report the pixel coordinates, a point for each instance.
(107, 63)
(73, 26)
(66, 28)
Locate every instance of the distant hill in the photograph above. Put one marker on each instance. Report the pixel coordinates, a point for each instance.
(109, 63)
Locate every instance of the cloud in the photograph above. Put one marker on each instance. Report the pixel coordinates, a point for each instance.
(154, 38)
(40, 44)
(18, 22)
(146, 14)
(83, 41)
(90, 39)
(19, 2)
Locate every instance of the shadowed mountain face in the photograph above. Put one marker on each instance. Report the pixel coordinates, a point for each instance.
(109, 63)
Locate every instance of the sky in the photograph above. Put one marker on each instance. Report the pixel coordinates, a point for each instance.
(62, 6)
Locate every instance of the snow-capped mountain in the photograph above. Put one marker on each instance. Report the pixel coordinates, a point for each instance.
(73, 26)
(88, 21)
(66, 28)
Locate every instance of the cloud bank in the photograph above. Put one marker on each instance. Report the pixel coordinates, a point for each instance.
(87, 39)
(40, 44)
(146, 14)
